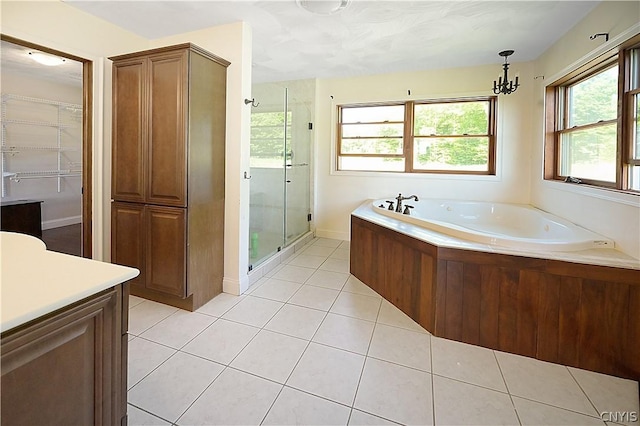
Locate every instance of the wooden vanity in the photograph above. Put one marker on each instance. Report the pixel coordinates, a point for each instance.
(64, 336)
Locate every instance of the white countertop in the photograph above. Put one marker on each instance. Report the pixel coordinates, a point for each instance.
(35, 281)
(601, 257)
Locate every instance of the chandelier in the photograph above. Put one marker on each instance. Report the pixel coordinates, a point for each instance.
(503, 85)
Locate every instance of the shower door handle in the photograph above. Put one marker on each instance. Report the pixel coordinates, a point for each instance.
(297, 165)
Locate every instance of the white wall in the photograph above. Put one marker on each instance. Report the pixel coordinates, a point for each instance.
(59, 208)
(610, 213)
(338, 193)
(57, 25)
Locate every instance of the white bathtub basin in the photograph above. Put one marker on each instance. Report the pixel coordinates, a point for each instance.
(518, 226)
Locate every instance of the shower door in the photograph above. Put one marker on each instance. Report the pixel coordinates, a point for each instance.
(280, 166)
(297, 166)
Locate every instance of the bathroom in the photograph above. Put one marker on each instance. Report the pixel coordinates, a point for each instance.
(335, 194)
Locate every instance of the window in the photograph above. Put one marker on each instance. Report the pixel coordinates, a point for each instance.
(592, 123)
(439, 136)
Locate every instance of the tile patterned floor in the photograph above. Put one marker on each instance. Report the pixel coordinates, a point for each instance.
(311, 345)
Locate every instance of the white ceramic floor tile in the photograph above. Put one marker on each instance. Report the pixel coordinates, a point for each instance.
(357, 306)
(170, 389)
(343, 254)
(222, 341)
(314, 297)
(307, 261)
(328, 279)
(458, 403)
(346, 333)
(354, 285)
(137, 417)
(396, 393)
(278, 290)
(390, 315)
(296, 321)
(543, 382)
(298, 408)
(328, 372)
(253, 311)
(467, 363)
(293, 273)
(145, 315)
(254, 286)
(345, 245)
(533, 413)
(314, 250)
(336, 265)
(401, 346)
(177, 329)
(270, 355)
(327, 242)
(608, 393)
(235, 398)
(144, 357)
(134, 301)
(272, 268)
(220, 304)
(359, 418)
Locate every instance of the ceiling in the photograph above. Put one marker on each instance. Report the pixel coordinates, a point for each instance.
(16, 59)
(368, 37)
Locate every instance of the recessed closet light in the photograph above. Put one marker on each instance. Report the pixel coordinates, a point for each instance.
(45, 59)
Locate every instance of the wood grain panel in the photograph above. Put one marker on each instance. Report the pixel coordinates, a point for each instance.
(527, 308)
(61, 369)
(166, 250)
(548, 318)
(508, 312)
(426, 301)
(127, 238)
(454, 300)
(471, 304)
(167, 147)
(129, 131)
(631, 345)
(569, 320)
(489, 306)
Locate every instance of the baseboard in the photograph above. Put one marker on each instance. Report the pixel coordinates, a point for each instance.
(325, 233)
(235, 287)
(57, 223)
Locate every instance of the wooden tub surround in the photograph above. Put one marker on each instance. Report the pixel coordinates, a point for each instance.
(575, 314)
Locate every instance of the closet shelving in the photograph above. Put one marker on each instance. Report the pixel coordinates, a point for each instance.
(67, 116)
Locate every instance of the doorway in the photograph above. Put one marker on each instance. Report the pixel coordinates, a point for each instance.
(47, 140)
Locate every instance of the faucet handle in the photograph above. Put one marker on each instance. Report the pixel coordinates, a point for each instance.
(390, 204)
(407, 210)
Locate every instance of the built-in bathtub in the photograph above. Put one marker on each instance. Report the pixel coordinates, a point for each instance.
(507, 225)
(572, 306)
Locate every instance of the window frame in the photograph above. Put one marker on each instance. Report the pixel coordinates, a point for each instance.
(556, 117)
(408, 136)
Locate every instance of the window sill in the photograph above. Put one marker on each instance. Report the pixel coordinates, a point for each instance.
(426, 176)
(609, 194)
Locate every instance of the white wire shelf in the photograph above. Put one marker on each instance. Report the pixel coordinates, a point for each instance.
(69, 106)
(41, 174)
(18, 149)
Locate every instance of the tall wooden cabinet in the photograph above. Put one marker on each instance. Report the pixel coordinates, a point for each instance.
(168, 172)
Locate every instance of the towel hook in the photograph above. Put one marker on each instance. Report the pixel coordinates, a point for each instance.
(251, 101)
(595, 36)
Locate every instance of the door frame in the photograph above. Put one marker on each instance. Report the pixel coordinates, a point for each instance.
(87, 136)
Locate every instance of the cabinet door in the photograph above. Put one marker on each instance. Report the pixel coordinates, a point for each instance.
(127, 237)
(129, 130)
(65, 369)
(166, 250)
(168, 74)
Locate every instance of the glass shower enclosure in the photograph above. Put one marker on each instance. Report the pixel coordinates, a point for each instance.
(281, 137)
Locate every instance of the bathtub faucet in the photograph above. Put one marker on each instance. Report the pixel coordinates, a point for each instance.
(400, 199)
